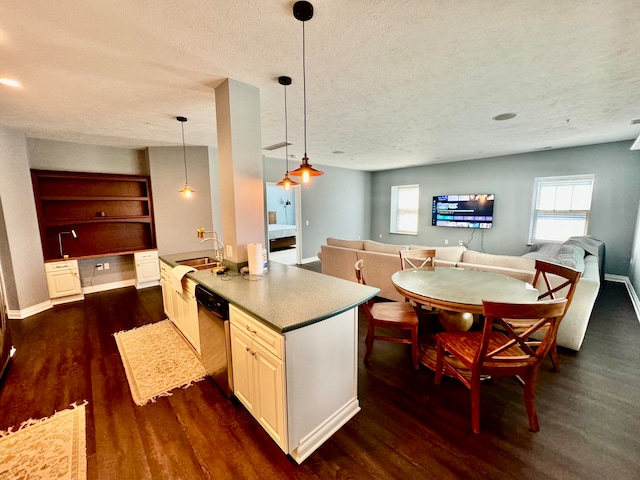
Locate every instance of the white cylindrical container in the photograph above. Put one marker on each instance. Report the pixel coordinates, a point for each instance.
(254, 255)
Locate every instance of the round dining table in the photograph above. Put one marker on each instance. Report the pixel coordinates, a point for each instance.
(461, 290)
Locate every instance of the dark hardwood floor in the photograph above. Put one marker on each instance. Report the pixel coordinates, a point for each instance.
(408, 428)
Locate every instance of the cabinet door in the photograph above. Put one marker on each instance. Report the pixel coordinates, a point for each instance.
(147, 270)
(242, 365)
(176, 308)
(63, 278)
(190, 327)
(166, 296)
(269, 383)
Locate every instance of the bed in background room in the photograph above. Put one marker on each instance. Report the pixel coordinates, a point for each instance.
(281, 236)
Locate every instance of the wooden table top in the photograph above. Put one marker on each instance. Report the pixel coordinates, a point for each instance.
(459, 289)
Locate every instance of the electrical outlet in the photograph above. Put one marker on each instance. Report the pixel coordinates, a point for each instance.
(229, 251)
(106, 266)
(446, 241)
(461, 243)
(99, 266)
(380, 235)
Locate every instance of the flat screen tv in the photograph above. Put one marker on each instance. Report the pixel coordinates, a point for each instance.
(467, 211)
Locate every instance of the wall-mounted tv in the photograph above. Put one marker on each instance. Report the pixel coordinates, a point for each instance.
(467, 211)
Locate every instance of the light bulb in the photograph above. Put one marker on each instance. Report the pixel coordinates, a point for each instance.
(305, 176)
(287, 185)
(187, 193)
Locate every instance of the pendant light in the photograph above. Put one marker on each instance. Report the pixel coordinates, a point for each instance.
(186, 191)
(286, 182)
(303, 11)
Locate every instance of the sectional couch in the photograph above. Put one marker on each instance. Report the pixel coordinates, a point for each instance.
(382, 260)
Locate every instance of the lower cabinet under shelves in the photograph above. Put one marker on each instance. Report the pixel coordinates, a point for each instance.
(63, 281)
(300, 386)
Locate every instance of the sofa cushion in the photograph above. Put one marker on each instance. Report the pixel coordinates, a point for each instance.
(339, 262)
(337, 242)
(508, 261)
(449, 254)
(371, 246)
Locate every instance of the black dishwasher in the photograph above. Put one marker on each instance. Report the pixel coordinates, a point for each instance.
(215, 338)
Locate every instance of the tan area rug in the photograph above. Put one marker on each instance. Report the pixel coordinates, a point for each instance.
(53, 447)
(157, 359)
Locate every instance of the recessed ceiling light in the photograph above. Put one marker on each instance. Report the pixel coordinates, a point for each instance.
(338, 152)
(505, 116)
(635, 122)
(9, 82)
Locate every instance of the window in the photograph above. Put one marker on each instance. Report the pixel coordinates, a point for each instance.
(404, 209)
(560, 208)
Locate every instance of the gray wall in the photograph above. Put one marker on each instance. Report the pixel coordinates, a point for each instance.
(177, 218)
(276, 198)
(634, 268)
(76, 157)
(336, 204)
(22, 261)
(614, 207)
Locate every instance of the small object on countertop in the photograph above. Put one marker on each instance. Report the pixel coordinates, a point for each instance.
(244, 270)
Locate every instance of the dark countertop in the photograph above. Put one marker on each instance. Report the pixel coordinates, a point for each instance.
(284, 298)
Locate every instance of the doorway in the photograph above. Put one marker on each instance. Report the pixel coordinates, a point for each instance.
(283, 232)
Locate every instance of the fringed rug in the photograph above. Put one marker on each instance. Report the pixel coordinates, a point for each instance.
(53, 447)
(156, 360)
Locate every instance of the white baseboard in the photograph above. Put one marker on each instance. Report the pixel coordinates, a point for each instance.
(633, 295)
(109, 286)
(68, 299)
(27, 312)
(310, 260)
(150, 283)
(312, 442)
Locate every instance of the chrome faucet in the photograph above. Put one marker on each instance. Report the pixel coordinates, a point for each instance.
(219, 246)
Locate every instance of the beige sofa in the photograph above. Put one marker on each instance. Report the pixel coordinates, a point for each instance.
(382, 260)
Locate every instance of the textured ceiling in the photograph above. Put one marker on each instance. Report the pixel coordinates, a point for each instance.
(389, 83)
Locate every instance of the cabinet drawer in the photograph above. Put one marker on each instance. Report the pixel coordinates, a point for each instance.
(150, 255)
(65, 265)
(272, 341)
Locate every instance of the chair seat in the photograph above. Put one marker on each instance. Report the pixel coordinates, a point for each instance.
(394, 313)
(465, 346)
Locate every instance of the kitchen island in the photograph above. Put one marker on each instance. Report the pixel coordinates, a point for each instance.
(294, 348)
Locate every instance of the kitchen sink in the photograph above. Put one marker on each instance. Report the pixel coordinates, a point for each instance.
(200, 263)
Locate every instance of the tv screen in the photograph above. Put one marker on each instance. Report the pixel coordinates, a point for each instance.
(467, 211)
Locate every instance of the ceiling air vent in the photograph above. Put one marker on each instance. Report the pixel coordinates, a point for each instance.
(277, 146)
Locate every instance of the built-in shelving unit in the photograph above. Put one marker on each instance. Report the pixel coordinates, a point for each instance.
(111, 214)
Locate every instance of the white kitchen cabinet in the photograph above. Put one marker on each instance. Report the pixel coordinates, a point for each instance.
(181, 306)
(301, 386)
(63, 281)
(258, 373)
(188, 313)
(147, 268)
(167, 296)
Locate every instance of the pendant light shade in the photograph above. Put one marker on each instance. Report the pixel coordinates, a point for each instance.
(186, 191)
(286, 182)
(303, 11)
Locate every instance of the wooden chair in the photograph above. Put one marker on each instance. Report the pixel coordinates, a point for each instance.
(501, 353)
(420, 258)
(542, 282)
(396, 315)
(417, 258)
